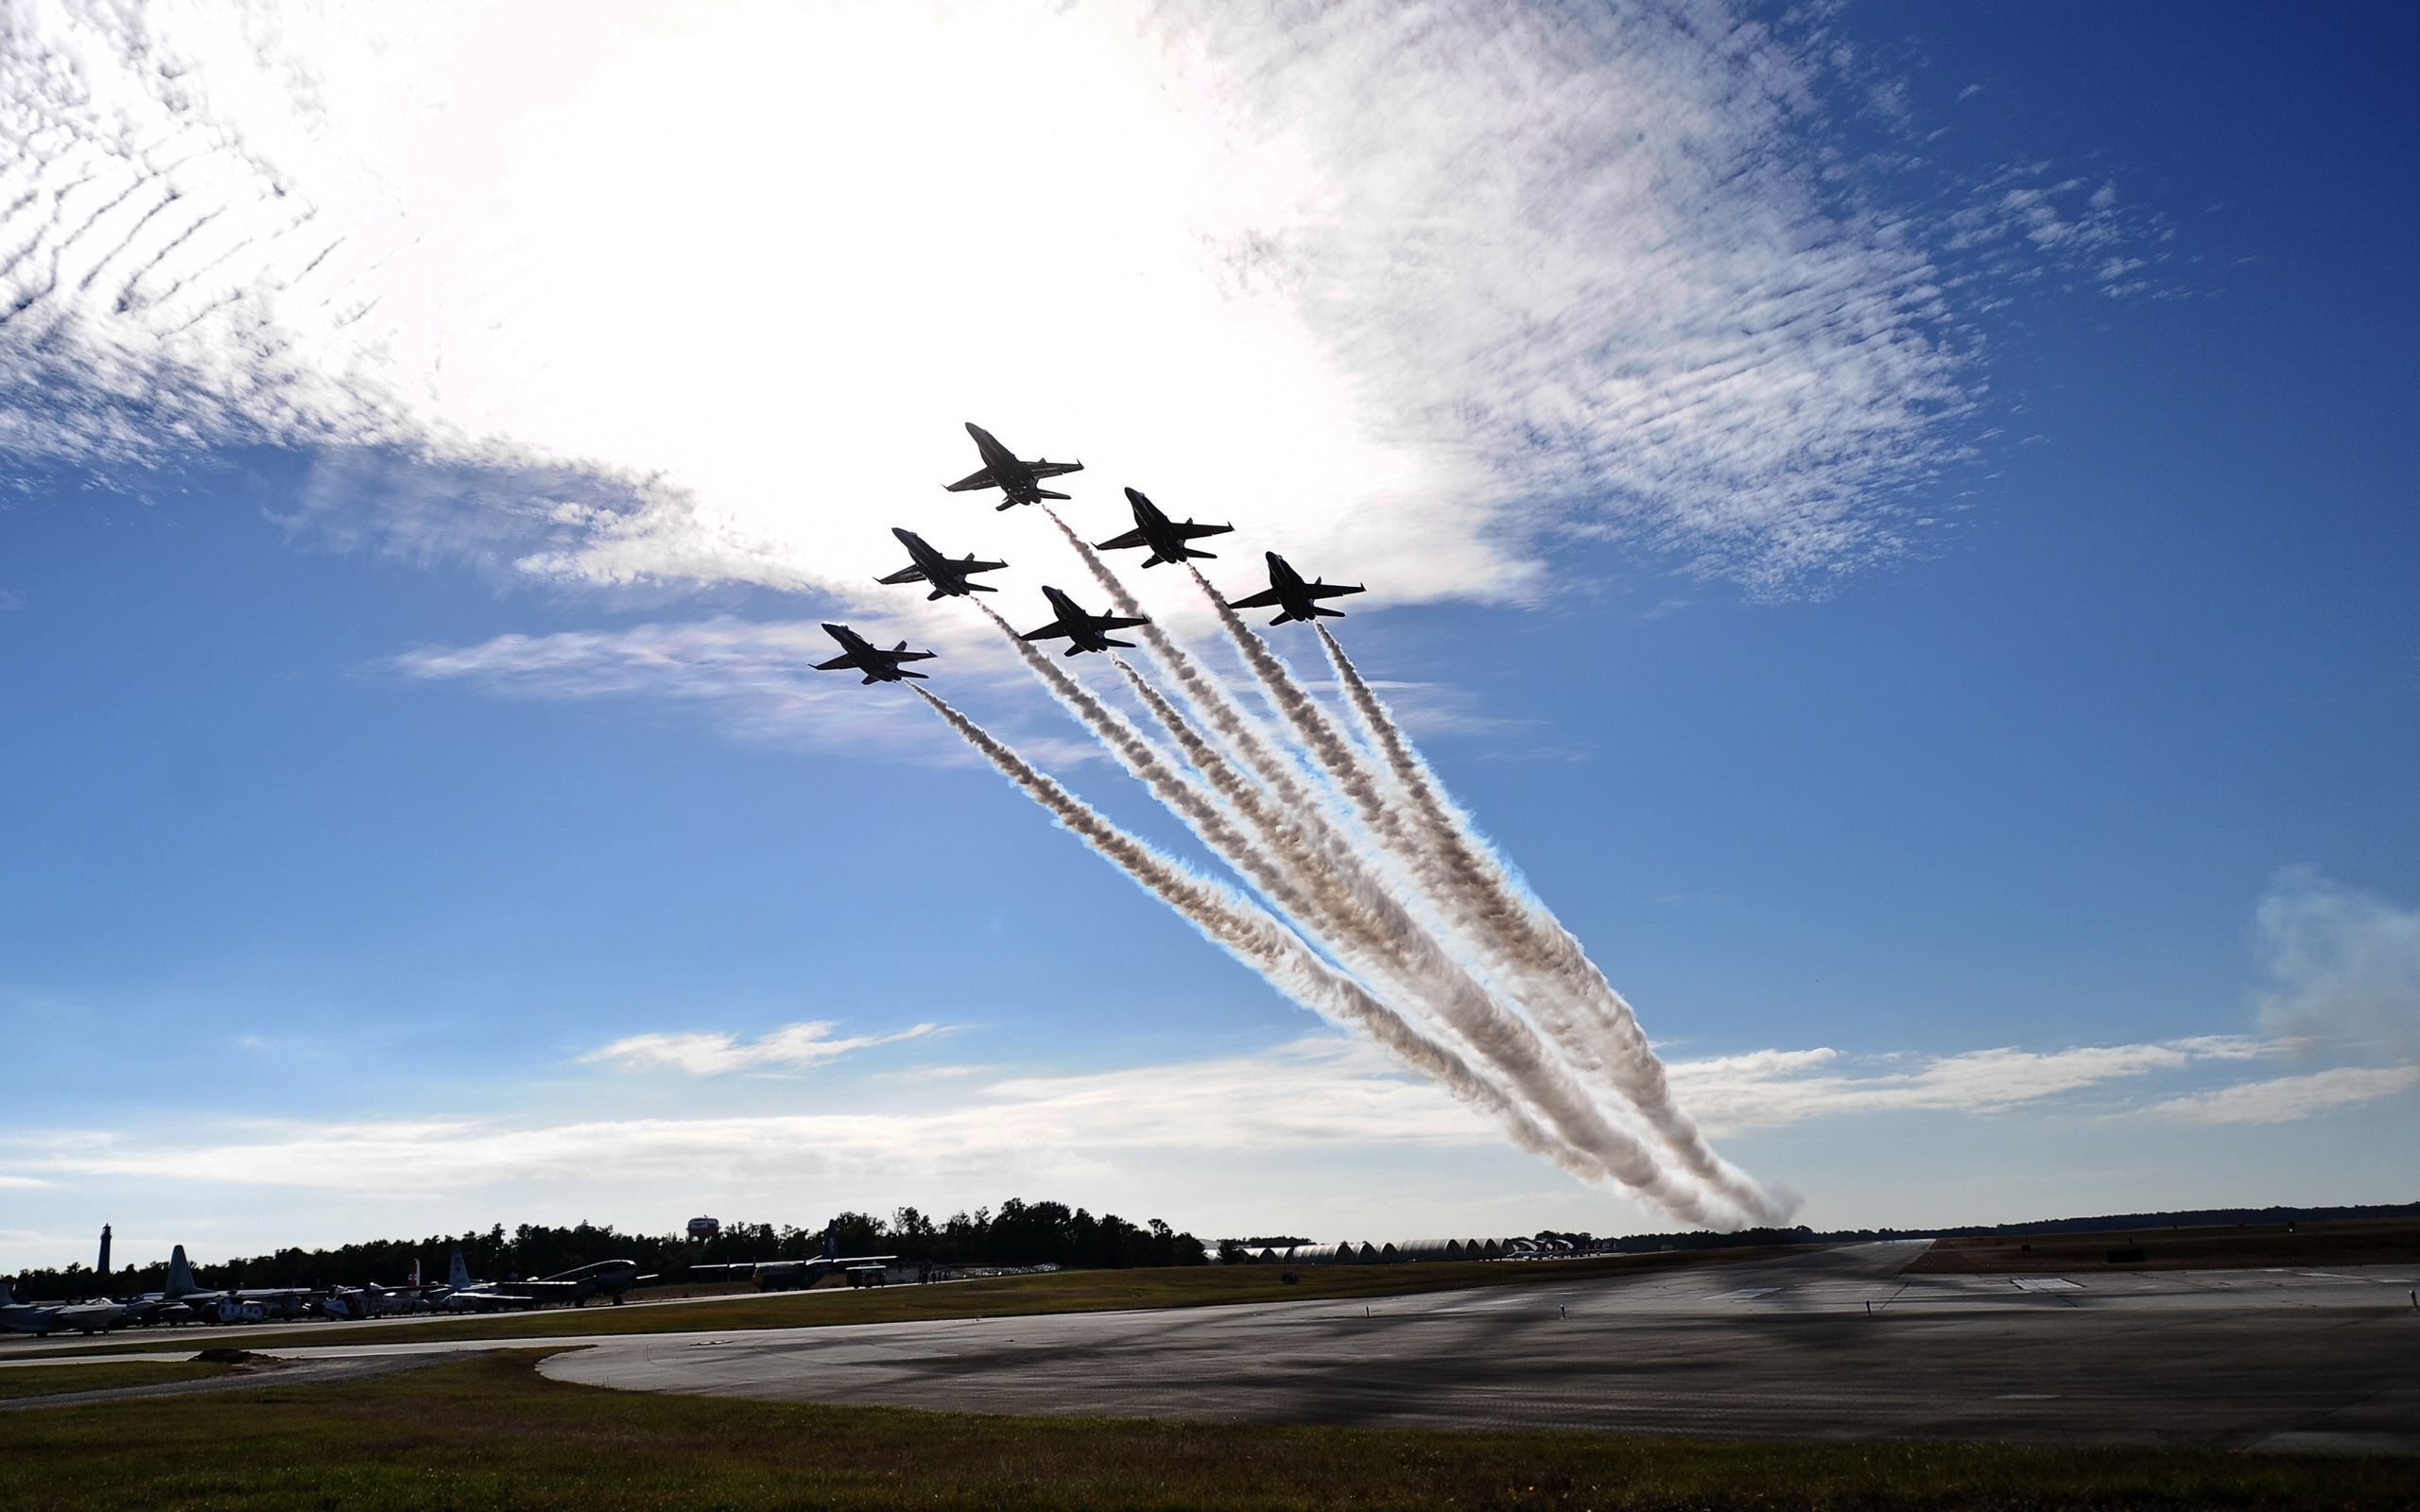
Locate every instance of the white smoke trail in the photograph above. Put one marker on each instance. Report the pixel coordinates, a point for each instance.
(1528, 941)
(1376, 938)
(1579, 1011)
(1277, 953)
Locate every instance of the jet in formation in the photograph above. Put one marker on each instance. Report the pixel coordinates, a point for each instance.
(1298, 598)
(860, 655)
(950, 579)
(1020, 481)
(798, 1275)
(1165, 537)
(1081, 629)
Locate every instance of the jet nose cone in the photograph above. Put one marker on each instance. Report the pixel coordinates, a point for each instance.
(1135, 496)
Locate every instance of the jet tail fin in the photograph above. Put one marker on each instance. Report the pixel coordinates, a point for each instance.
(456, 1274)
(1045, 493)
(179, 1273)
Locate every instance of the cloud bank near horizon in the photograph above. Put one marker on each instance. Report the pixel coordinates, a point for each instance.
(1313, 1092)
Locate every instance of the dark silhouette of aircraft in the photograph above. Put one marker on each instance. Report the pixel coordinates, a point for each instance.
(858, 654)
(798, 1274)
(949, 578)
(1020, 481)
(1166, 538)
(1083, 629)
(1299, 598)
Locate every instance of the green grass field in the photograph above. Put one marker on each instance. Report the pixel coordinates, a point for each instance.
(42, 1380)
(494, 1434)
(1066, 1291)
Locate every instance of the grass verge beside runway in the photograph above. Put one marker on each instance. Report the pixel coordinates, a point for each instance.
(47, 1381)
(493, 1432)
(2229, 1247)
(1066, 1291)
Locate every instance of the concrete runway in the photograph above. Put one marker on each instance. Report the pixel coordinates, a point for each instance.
(1782, 1348)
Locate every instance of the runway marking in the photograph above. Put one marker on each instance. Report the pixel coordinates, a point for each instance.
(1743, 1294)
(2027, 1396)
(2043, 1283)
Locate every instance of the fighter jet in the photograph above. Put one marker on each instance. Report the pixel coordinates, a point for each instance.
(1286, 587)
(878, 665)
(1020, 481)
(1166, 538)
(949, 578)
(1083, 629)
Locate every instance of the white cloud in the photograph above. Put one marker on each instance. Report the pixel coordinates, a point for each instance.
(1322, 1093)
(2285, 1099)
(2344, 968)
(798, 1046)
(1773, 1088)
(649, 290)
(1314, 1092)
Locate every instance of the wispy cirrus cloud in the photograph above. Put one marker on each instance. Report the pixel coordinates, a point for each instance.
(2289, 1099)
(1426, 288)
(1771, 1089)
(1315, 1093)
(700, 1053)
(756, 680)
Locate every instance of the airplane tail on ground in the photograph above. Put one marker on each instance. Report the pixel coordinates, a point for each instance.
(831, 1241)
(456, 1274)
(411, 1278)
(180, 1274)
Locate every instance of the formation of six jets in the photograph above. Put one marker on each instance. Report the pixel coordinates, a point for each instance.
(1020, 482)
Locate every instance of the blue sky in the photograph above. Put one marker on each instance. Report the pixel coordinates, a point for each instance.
(2002, 676)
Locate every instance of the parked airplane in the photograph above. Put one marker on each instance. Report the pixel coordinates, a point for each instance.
(1286, 587)
(606, 1278)
(1020, 481)
(1165, 537)
(213, 1305)
(1084, 630)
(860, 655)
(949, 578)
(798, 1275)
(42, 1319)
(374, 1300)
(463, 1295)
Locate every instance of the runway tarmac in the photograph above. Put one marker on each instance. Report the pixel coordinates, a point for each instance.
(1835, 1345)
(1832, 1345)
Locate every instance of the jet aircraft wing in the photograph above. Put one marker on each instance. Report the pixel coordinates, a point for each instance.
(981, 479)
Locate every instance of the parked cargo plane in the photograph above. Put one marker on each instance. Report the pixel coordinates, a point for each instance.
(798, 1275)
(42, 1319)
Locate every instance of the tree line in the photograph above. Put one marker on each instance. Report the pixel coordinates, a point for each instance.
(1015, 1233)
